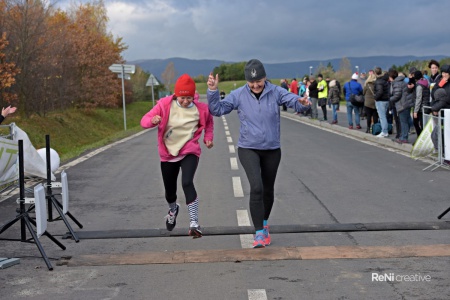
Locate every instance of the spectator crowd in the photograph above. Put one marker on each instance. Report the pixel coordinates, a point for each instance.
(390, 101)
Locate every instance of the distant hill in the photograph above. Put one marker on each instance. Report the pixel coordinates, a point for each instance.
(281, 70)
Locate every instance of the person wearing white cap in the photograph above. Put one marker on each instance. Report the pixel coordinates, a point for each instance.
(352, 87)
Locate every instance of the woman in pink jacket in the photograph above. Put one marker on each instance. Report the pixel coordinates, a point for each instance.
(181, 119)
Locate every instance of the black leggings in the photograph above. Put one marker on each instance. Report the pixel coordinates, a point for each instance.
(371, 113)
(170, 172)
(261, 167)
(418, 123)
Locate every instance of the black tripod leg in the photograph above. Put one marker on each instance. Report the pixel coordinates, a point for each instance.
(68, 213)
(38, 243)
(63, 217)
(47, 234)
(439, 217)
(74, 220)
(10, 223)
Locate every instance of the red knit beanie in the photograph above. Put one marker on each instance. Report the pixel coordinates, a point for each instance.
(185, 86)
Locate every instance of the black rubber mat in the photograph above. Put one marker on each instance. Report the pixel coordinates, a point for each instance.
(235, 230)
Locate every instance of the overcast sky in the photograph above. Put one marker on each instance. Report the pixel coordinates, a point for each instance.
(278, 31)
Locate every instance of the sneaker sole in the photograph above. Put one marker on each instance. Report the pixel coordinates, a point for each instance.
(259, 246)
(195, 233)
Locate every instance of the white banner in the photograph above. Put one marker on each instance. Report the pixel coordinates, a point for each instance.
(424, 145)
(9, 170)
(33, 163)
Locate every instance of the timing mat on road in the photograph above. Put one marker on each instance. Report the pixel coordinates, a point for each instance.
(235, 230)
(262, 254)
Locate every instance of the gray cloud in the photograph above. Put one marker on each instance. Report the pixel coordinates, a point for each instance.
(279, 31)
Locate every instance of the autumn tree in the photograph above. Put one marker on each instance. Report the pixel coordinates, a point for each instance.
(7, 73)
(95, 50)
(25, 25)
(63, 57)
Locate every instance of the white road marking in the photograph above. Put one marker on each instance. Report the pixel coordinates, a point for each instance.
(242, 216)
(244, 220)
(226, 127)
(227, 133)
(229, 139)
(233, 163)
(257, 295)
(237, 187)
(231, 148)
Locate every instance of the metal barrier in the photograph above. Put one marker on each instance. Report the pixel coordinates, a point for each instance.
(437, 136)
(7, 132)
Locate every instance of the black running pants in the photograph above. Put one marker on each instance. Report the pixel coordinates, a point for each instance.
(261, 167)
(170, 170)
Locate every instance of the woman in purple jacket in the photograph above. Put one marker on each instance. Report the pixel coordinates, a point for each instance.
(258, 106)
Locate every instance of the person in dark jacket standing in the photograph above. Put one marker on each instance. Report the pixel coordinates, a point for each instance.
(442, 101)
(403, 100)
(443, 82)
(333, 98)
(421, 91)
(314, 97)
(434, 79)
(381, 89)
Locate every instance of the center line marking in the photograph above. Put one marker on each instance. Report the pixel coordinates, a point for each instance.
(229, 139)
(257, 295)
(231, 148)
(234, 164)
(244, 220)
(237, 187)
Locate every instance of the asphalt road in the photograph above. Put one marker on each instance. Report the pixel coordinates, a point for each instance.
(326, 176)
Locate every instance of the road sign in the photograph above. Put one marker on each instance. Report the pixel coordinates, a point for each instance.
(152, 81)
(124, 71)
(127, 76)
(117, 68)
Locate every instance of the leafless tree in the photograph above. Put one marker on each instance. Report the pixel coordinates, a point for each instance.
(168, 76)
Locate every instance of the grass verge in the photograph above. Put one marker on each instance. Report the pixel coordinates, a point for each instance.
(74, 132)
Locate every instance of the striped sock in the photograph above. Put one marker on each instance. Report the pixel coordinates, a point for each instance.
(265, 223)
(173, 206)
(193, 211)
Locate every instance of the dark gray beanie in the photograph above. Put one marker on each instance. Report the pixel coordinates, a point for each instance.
(445, 69)
(254, 70)
(440, 94)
